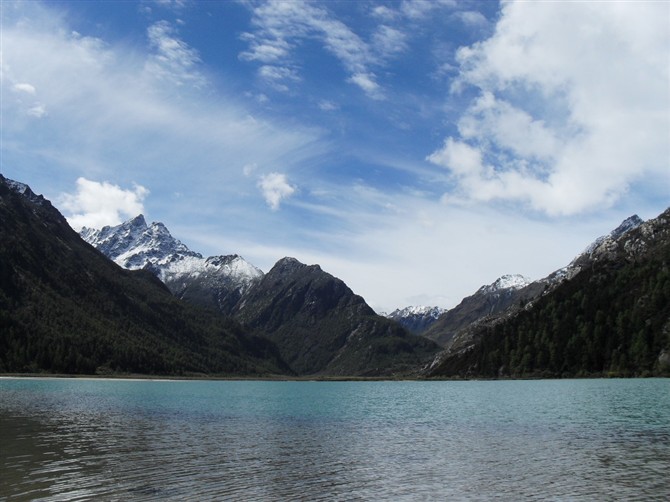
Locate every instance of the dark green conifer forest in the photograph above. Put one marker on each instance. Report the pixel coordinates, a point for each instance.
(612, 319)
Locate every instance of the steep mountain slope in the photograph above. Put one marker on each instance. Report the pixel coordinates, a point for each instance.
(64, 307)
(217, 281)
(609, 315)
(322, 327)
(416, 319)
(489, 300)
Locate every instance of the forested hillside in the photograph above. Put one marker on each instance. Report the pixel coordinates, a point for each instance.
(612, 319)
(66, 308)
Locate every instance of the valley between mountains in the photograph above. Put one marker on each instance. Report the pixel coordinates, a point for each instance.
(134, 299)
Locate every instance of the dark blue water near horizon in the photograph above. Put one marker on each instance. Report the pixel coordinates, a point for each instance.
(79, 439)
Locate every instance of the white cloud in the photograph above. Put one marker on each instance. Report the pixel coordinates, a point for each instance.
(110, 118)
(385, 13)
(328, 106)
(38, 110)
(473, 18)
(366, 81)
(249, 169)
(389, 41)
(96, 204)
(573, 104)
(459, 157)
(24, 87)
(173, 59)
(282, 26)
(510, 128)
(276, 75)
(275, 188)
(416, 9)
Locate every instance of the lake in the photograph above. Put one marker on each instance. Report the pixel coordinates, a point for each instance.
(79, 439)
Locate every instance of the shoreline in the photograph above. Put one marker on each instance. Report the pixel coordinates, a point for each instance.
(283, 378)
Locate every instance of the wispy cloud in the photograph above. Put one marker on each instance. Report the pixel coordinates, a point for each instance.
(97, 204)
(110, 117)
(557, 124)
(281, 26)
(173, 58)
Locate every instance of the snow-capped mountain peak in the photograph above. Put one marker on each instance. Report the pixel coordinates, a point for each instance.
(506, 282)
(421, 310)
(416, 319)
(626, 226)
(136, 245)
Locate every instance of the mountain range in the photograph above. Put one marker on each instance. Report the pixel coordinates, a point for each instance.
(144, 302)
(319, 325)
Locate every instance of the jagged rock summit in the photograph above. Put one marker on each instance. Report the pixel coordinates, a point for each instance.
(505, 283)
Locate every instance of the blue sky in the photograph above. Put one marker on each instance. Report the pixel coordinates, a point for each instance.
(415, 149)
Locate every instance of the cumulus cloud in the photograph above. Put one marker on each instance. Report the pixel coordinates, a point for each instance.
(572, 107)
(97, 204)
(275, 188)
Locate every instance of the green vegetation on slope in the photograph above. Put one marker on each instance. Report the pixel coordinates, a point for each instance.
(65, 308)
(612, 319)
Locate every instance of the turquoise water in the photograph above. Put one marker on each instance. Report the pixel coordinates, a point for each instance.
(63, 439)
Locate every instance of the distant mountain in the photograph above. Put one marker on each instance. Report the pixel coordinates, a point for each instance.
(607, 313)
(217, 281)
(416, 319)
(487, 301)
(322, 327)
(66, 308)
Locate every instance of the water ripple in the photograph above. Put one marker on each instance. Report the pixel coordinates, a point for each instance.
(148, 441)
